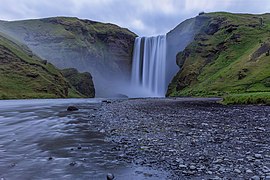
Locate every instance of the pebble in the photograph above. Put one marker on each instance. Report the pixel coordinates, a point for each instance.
(192, 167)
(258, 156)
(182, 166)
(237, 171)
(249, 171)
(255, 178)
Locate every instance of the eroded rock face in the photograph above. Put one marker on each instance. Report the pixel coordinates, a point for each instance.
(104, 50)
(82, 82)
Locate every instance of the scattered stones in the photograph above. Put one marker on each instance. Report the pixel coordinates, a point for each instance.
(72, 108)
(196, 140)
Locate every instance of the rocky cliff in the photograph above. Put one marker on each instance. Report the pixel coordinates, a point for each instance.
(82, 82)
(25, 75)
(104, 50)
(229, 54)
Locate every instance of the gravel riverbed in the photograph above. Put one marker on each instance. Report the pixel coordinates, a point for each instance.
(189, 138)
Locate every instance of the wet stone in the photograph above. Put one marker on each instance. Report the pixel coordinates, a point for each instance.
(255, 178)
(72, 108)
(258, 156)
(72, 163)
(110, 176)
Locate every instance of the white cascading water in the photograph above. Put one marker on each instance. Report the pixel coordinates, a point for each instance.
(149, 66)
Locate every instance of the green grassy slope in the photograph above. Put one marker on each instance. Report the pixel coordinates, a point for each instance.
(24, 75)
(230, 55)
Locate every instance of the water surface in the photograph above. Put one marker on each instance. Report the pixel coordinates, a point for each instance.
(39, 139)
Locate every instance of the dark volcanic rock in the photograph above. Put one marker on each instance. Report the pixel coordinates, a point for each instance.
(191, 138)
(82, 82)
(72, 108)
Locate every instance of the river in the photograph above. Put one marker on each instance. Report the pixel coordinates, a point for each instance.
(40, 139)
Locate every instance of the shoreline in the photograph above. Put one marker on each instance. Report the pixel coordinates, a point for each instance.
(190, 138)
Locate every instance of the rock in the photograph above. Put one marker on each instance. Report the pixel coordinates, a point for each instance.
(102, 131)
(50, 158)
(182, 166)
(255, 178)
(107, 101)
(238, 171)
(72, 108)
(72, 163)
(258, 156)
(265, 169)
(82, 82)
(12, 165)
(192, 167)
(110, 176)
(249, 171)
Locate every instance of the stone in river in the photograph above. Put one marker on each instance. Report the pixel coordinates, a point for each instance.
(72, 108)
(110, 176)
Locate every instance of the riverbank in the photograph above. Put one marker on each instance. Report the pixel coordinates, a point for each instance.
(191, 138)
(171, 138)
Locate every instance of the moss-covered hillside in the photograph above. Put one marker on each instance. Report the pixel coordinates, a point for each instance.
(229, 55)
(103, 49)
(24, 75)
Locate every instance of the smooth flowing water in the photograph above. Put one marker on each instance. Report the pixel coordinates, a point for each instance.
(39, 139)
(149, 66)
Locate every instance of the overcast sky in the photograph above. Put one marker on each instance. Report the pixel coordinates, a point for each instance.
(144, 17)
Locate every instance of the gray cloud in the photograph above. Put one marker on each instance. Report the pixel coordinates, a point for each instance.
(144, 17)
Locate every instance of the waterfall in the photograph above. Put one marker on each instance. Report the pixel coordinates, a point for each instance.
(149, 66)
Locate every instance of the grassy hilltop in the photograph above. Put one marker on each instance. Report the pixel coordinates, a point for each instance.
(229, 57)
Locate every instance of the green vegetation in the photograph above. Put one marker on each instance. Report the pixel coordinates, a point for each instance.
(227, 58)
(248, 98)
(24, 75)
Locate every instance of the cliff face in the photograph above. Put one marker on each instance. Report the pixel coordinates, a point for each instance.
(82, 82)
(229, 54)
(24, 75)
(104, 50)
(178, 39)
